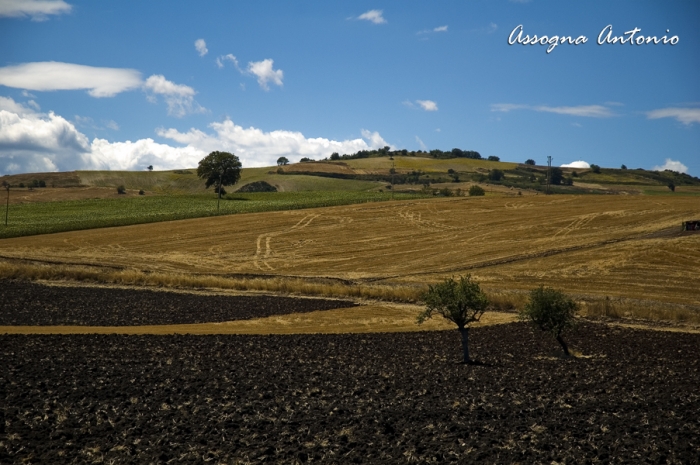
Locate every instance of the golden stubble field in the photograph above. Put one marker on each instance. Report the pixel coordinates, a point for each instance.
(602, 246)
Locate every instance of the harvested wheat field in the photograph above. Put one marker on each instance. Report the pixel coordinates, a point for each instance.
(605, 246)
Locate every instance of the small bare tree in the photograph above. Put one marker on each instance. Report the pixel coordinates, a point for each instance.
(462, 302)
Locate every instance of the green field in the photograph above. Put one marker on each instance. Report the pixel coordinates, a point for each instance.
(51, 217)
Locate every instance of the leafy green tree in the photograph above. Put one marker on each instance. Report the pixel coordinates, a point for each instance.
(462, 302)
(476, 191)
(150, 167)
(496, 175)
(494, 158)
(672, 186)
(219, 169)
(335, 156)
(595, 168)
(530, 162)
(281, 161)
(551, 311)
(623, 167)
(556, 176)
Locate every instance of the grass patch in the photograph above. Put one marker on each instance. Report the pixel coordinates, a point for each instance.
(52, 217)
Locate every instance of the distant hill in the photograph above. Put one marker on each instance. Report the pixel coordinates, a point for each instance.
(376, 173)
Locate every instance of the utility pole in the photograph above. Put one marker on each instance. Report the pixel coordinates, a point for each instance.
(7, 206)
(549, 169)
(218, 199)
(392, 179)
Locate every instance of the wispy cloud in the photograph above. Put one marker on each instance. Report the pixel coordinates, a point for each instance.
(421, 144)
(491, 28)
(229, 57)
(37, 10)
(374, 16)
(265, 73)
(435, 29)
(684, 115)
(590, 111)
(427, 105)
(672, 165)
(178, 97)
(53, 75)
(201, 47)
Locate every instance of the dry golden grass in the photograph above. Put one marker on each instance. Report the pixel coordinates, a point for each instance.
(370, 318)
(622, 247)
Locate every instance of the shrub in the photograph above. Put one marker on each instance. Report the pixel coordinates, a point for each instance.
(21, 184)
(551, 311)
(476, 190)
(142, 192)
(121, 190)
(445, 192)
(623, 167)
(494, 158)
(42, 183)
(595, 169)
(672, 186)
(462, 302)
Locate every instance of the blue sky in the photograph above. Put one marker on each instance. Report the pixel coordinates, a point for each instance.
(126, 84)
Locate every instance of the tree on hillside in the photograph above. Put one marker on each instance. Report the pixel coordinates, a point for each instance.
(530, 162)
(552, 311)
(335, 156)
(595, 168)
(281, 161)
(462, 302)
(150, 167)
(219, 169)
(556, 176)
(494, 158)
(496, 175)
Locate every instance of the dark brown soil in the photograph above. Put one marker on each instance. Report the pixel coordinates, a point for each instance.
(360, 398)
(24, 303)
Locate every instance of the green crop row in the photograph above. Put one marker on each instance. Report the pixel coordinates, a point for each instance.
(51, 217)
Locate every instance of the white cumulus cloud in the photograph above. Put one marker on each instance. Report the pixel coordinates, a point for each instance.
(49, 142)
(577, 164)
(265, 73)
(7, 103)
(38, 10)
(672, 165)
(201, 46)
(684, 115)
(178, 97)
(256, 147)
(427, 105)
(40, 143)
(374, 16)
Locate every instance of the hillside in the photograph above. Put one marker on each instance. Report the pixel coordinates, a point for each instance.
(364, 174)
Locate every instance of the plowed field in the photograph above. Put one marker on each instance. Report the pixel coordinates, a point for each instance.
(632, 397)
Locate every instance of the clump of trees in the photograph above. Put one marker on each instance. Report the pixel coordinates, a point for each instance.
(219, 169)
(551, 311)
(461, 302)
(494, 158)
(282, 161)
